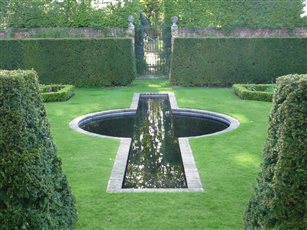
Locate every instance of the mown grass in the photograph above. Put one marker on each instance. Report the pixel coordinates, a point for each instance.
(228, 163)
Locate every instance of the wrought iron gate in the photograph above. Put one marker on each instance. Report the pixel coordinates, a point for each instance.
(152, 50)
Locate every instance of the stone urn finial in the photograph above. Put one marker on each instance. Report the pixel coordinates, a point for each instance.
(174, 26)
(130, 19)
(130, 30)
(174, 20)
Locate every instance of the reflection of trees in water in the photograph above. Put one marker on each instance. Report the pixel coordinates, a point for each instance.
(154, 158)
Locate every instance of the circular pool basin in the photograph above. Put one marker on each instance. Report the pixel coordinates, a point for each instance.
(186, 123)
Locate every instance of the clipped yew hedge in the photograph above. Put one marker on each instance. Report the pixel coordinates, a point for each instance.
(279, 201)
(34, 193)
(79, 62)
(257, 92)
(226, 61)
(53, 93)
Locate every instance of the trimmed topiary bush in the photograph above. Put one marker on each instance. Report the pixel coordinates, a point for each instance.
(52, 93)
(257, 92)
(227, 61)
(279, 201)
(79, 62)
(34, 193)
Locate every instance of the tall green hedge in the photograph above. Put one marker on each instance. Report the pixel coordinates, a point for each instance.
(236, 13)
(80, 62)
(34, 193)
(225, 61)
(280, 196)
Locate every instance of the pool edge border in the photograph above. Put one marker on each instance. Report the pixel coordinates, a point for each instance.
(119, 167)
(118, 170)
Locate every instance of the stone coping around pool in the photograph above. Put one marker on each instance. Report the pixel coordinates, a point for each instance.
(77, 122)
(119, 167)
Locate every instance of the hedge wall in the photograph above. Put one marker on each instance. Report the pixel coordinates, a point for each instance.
(34, 193)
(280, 196)
(258, 93)
(53, 93)
(80, 62)
(225, 61)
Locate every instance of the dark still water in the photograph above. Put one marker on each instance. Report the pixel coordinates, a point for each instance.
(184, 125)
(191, 126)
(117, 126)
(154, 157)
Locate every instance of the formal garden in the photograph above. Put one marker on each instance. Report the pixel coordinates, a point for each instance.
(239, 65)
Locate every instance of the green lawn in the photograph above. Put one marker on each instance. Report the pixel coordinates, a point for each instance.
(228, 163)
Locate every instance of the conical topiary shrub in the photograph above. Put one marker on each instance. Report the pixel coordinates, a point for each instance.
(280, 196)
(34, 193)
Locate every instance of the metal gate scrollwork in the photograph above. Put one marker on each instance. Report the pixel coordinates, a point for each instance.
(152, 49)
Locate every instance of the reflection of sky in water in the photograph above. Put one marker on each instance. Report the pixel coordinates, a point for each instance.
(154, 157)
(304, 14)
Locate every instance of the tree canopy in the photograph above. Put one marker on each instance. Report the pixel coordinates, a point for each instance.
(237, 13)
(66, 13)
(191, 13)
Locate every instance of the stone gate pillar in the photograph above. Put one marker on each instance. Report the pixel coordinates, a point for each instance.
(174, 29)
(174, 26)
(131, 28)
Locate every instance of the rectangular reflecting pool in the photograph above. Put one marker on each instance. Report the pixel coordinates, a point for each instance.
(154, 159)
